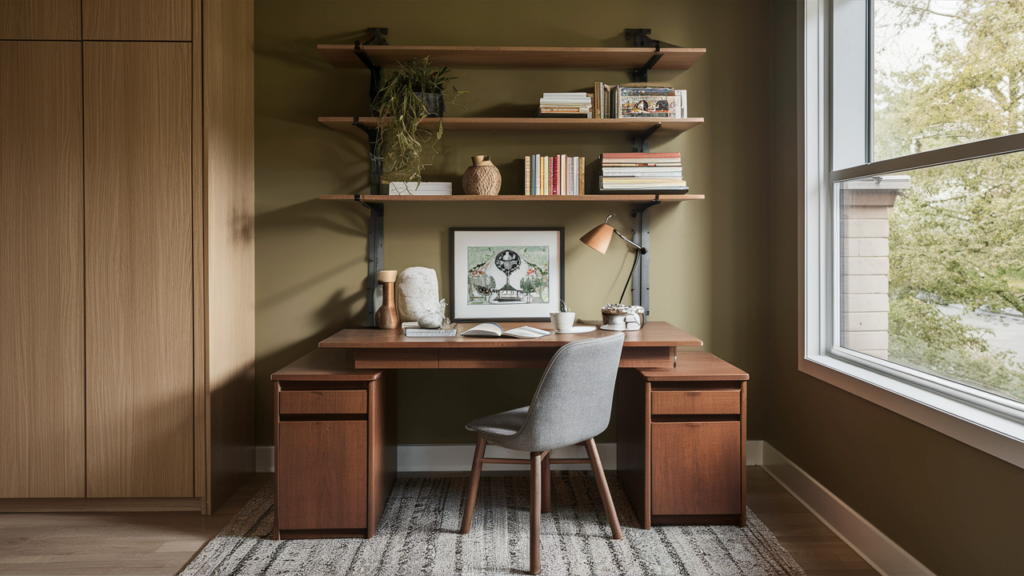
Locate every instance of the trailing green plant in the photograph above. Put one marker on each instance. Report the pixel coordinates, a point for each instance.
(400, 140)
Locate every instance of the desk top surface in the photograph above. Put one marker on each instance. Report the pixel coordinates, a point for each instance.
(652, 335)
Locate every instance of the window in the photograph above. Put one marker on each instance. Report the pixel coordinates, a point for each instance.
(914, 213)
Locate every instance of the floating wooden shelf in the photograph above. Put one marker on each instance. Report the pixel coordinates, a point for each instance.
(344, 56)
(674, 125)
(384, 199)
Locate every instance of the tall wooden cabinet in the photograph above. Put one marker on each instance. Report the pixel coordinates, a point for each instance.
(127, 300)
(42, 302)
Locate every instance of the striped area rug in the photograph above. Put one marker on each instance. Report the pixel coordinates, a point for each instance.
(419, 534)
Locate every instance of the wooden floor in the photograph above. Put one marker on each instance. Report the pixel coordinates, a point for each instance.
(814, 547)
(163, 543)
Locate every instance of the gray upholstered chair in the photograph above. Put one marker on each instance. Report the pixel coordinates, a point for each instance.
(572, 405)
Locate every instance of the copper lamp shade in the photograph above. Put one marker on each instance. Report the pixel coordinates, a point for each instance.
(599, 238)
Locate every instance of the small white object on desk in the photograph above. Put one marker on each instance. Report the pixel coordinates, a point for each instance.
(577, 330)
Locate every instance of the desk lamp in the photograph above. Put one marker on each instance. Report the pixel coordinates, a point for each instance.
(601, 237)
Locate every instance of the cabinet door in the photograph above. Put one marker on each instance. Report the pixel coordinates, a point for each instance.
(137, 19)
(695, 468)
(138, 256)
(42, 405)
(322, 475)
(40, 20)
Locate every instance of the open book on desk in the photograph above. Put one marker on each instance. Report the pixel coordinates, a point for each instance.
(494, 330)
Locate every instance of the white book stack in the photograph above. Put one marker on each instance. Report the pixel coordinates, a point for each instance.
(567, 104)
(420, 189)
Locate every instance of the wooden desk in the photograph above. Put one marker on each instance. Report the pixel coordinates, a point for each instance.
(681, 423)
(652, 347)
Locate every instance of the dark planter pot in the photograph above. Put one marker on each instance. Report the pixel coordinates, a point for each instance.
(434, 104)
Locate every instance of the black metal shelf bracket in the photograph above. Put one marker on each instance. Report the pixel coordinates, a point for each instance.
(641, 142)
(374, 255)
(642, 236)
(376, 161)
(639, 38)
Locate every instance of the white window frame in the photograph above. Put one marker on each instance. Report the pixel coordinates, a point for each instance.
(985, 421)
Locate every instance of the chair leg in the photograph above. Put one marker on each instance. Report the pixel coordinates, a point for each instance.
(545, 494)
(536, 459)
(602, 487)
(474, 483)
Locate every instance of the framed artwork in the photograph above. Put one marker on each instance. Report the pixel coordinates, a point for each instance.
(515, 274)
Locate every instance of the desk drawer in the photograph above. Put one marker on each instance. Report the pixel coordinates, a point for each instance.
(323, 402)
(695, 402)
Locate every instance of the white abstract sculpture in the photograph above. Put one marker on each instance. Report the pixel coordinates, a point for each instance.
(434, 319)
(417, 293)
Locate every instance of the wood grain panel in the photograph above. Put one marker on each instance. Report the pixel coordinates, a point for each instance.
(323, 402)
(138, 269)
(664, 125)
(344, 56)
(137, 19)
(230, 268)
(695, 468)
(40, 20)
(696, 366)
(695, 402)
(322, 475)
(383, 446)
(54, 505)
(589, 197)
(632, 395)
(386, 359)
(42, 401)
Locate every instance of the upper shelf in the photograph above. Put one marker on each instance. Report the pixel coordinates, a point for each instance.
(646, 197)
(346, 124)
(344, 56)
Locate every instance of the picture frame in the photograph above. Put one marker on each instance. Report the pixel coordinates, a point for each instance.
(506, 274)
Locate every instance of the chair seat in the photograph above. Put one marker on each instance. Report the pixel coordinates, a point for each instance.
(500, 425)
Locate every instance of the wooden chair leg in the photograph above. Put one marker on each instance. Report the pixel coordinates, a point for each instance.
(545, 494)
(602, 487)
(536, 459)
(474, 483)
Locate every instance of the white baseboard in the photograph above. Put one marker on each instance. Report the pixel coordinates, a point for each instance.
(264, 459)
(755, 452)
(869, 542)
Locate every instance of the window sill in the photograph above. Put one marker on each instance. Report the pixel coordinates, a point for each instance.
(994, 434)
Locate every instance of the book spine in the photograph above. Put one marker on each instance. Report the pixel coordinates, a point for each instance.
(526, 175)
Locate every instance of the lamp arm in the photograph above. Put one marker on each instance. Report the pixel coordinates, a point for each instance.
(638, 247)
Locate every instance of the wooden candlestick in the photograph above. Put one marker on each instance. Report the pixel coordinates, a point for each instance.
(386, 317)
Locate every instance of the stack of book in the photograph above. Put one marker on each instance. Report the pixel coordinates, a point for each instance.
(642, 172)
(639, 101)
(554, 175)
(566, 105)
(420, 188)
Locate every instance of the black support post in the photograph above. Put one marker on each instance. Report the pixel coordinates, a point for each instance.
(642, 236)
(374, 256)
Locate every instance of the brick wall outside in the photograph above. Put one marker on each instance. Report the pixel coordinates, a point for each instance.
(864, 283)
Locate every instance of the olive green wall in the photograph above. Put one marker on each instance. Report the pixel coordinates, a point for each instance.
(952, 507)
(710, 258)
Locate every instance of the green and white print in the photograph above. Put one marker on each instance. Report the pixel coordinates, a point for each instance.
(508, 275)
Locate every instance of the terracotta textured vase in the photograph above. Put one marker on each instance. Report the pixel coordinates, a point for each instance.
(482, 178)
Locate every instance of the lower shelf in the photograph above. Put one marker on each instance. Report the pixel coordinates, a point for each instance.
(381, 199)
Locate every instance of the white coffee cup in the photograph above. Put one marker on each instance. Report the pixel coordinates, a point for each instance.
(563, 320)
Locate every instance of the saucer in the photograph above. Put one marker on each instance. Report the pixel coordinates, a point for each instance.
(577, 330)
(611, 328)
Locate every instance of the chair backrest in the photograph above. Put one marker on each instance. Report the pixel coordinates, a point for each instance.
(573, 401)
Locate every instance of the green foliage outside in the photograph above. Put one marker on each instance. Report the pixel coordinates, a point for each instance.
(957, 236)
